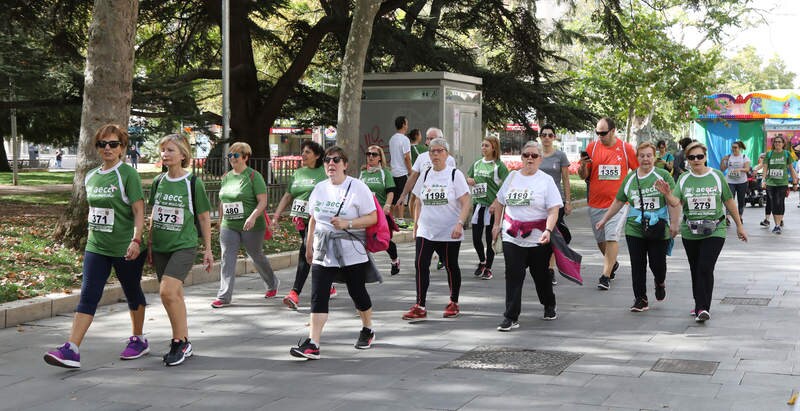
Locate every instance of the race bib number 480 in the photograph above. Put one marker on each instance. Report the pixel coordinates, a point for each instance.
(233, 211)
(101, 219)
(609, 172)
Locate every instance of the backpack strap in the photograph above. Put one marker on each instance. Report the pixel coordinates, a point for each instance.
(453, 175)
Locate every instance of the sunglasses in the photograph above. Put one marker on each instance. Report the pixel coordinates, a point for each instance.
(438, 150)
(530, 155)
(336, 160)
(602, 133)
(103, 144)
(234, 155)
(371, 154)
(547, 135)
(693, 157)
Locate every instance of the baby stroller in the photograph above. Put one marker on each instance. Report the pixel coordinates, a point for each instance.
(755, 195)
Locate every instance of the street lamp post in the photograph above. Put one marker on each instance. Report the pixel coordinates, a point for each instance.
(226, 70)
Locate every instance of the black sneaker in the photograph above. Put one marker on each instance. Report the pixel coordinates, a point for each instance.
(479, 271)
(179, 351)
(764, 223)
(550, 313)
(776, 230)
(487, 274)
(395, 268)
(614, 270)
(639, 305)
(604, 283)
(439, 265)
(781, 223)
(365, 339)
(552, 274)
(661, 292)
(305, 350)
(507, 325)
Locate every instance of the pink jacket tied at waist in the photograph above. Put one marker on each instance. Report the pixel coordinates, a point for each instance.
(568, 261)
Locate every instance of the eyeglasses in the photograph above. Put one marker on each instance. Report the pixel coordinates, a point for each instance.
(778, 141)
(336, 160)
(103, 144)
(551, 135)
(437, 151)
(693, 157)
(530, 155)
(371, 154)
(602, 133)
(234, 155)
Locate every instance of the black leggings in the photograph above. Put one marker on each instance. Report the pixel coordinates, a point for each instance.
(354, 276)
(303, 267)
(739, 191)
(392, 250)
(478, 233)
(702, 256)
(777, 199)
(641, 251)
(448, 254)
(518, 260)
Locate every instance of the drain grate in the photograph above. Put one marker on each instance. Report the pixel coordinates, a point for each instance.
(515, 360)
(686, 366)
(746, 300)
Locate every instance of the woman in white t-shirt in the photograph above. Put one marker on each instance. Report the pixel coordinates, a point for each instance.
(736, 166)
(340, 208)
(444, 203)
(531, 200)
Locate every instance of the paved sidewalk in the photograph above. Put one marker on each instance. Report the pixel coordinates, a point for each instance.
(241, 356)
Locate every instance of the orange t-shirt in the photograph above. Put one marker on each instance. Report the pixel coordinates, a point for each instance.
(607, 171)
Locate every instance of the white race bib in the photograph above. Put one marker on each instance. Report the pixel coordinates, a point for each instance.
(233, 211)
(650, 203)
(609, 172)
(299, 209)
(435, 196)
(734, 174)
(519, 197)
(168, 218)
(479, 190)
(699, 203)
(101, 219)
(776, 173)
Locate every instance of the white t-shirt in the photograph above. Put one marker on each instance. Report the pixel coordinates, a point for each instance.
(399, 145)
(736, 177)
(424, 162)
(438, 195)
(527, 198)
(324, 203)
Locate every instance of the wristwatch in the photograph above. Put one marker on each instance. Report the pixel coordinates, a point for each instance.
(350, 225)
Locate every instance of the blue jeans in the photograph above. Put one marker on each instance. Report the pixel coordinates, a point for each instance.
(97, 269)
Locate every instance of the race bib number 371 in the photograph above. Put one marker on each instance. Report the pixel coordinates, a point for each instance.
(101, 219)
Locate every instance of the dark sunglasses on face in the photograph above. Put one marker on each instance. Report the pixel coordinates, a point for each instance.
(336, 160)
(103, 144)
(530, 155)
(602, 133)
(371, 154)
(547, 135)
(693, 157)
(234, 155)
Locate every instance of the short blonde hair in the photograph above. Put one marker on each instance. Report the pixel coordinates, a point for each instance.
(495, 143)
(695, 145)
(241, 148)
(646, 145)
(113, 130)
(381, 157)
(183, 146)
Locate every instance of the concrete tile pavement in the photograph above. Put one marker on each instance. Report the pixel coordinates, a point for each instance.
(241, 352)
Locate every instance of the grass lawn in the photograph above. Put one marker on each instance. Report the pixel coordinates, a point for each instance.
(577, 187)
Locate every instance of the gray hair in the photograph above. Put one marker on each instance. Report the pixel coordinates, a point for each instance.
(437, 131)
(438, 141)
(534, 144)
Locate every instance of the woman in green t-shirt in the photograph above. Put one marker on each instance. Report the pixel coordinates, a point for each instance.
(116, 220)
(300, 186)
(379, 179)
(178, 199)
(702, 192)
(776, 180)
(242, 201)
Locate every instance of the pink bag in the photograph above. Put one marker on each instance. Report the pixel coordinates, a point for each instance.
(378, 235)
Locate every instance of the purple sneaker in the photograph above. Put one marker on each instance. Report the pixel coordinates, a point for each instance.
(135, 349)
(63, 357)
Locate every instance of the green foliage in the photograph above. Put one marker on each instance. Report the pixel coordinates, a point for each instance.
(746, 72)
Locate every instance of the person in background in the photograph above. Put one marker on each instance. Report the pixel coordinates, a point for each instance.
(777, 167)
(379, 180)
(664, 159)
(299, 189)
(736, 166)
(679, 162)
(116, 224)
(400, 160)
(178, 199)
(59, 157)
(556, 164)
(242, 201)
(135, 154)
(417, 147)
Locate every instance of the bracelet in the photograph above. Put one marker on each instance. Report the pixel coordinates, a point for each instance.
(548, 230)
(350, 225)
(137, 241)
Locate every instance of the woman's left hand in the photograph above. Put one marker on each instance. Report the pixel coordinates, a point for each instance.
(458, 231)
(662, 187)
(568, 208)
(208, 260)
(340, 223)
(249, 223)
(387, 208)
(545, 237)
(133, 251)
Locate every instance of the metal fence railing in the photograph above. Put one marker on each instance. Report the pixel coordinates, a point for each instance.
(27, 163)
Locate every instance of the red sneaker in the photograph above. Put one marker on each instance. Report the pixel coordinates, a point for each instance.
(292, 300)
(271, 293)
(219, 303)
(451, 310)
(416, 313)
(333, 291)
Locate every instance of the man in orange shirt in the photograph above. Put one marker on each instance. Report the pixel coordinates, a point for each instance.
(606, 163)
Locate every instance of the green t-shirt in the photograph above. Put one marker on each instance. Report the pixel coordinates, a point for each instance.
(110, 194)
(237, 195)
(416, 150)
(488, 176)
(378, 182)
(653, 200)
(300, 186)
(703, 198)
(664, 160)
(777, 168)
(173, 217)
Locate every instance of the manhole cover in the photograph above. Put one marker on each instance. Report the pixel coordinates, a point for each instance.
(686, 366)
(515, 360)
(746, 301)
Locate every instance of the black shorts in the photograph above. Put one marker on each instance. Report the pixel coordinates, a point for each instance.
(399, 185)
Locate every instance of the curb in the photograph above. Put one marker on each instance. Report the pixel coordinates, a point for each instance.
(23, 311)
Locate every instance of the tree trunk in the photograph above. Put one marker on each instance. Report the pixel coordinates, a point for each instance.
(352, 78)
(106, 99)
